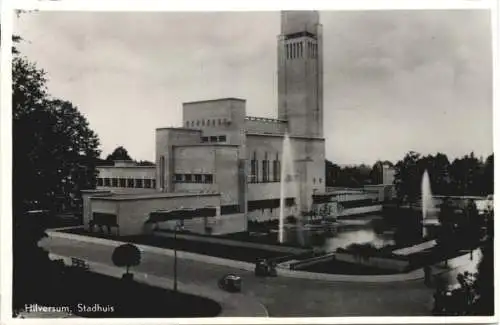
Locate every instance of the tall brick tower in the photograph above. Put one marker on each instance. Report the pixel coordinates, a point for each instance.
(300, 73)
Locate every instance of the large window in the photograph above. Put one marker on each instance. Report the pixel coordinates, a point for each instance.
(138, 183)
(162, 172)
(253, 169)
(209, 179)
(197, 178)
(147, 183)
(154, 183)
(114, 182)
(213, 139)
(100, 182)
(222, 138)
(123, 182)
(265, 169)
(178, 178)
(130, 182)
(276, 169)
(188, 178)
(107, 182)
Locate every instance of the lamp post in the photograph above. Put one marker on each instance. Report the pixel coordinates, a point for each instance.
(177, 227)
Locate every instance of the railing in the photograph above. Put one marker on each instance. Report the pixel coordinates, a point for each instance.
(265, 119)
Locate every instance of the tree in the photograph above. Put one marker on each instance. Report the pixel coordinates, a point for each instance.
(145, 163)
(126, 255)
(120, 153)
(488, 175)
(52, 157)
(407, 178)
(54, 149)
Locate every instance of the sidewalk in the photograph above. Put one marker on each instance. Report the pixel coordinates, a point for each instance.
(233, 305)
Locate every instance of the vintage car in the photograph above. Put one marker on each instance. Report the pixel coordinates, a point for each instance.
(230, 283)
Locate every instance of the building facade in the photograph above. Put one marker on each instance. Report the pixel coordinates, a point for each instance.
(222, 157)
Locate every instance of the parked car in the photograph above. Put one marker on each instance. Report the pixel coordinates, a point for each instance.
(265, 268)
(230, 283)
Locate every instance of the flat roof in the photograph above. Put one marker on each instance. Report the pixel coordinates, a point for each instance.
(215, 100)
(104, 166)
(178, 129)
(159, 195)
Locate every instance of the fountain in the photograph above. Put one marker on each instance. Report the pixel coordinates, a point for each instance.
(289, 187)
(427, 201)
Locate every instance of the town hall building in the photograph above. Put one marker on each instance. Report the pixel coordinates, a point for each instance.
(223, 165)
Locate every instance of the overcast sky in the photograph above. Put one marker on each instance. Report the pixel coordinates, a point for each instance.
(394, 80)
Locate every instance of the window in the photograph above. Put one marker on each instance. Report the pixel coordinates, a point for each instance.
(192, 123)
(265, 169)
(138, 182)
(209, 179)
(314, 180)
(253, 169)
(153, 183)
(147, 183)
(202, 122)
(187, 123)
(204, 139)
(197, 123)
(107, 182)
(320, 180)
(162, 171)
(100, 181)
(188, 178)
(222, 138)
(178, 178)
(225, 121)
(220, 121)
(114, 182)
(130, 182)
(123, 182)
(276, 169)
(213, 139)
(197, 178)
(213, 122)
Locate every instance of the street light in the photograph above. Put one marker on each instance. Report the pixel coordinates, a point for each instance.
(177, 227)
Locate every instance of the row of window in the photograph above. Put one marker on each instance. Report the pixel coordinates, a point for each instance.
(194, 178)
(126, 182)
(297, 49)
(220, 138)
(210, 122)
(266, 170)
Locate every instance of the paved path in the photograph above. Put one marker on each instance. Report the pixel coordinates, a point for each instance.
(282, 297)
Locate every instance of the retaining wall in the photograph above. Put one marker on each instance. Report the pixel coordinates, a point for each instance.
(374, 261)
(301, 264)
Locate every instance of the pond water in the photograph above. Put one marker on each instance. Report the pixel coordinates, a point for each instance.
(342, 235)
(346, 236)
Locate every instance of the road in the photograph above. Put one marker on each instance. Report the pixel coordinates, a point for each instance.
(282, 296)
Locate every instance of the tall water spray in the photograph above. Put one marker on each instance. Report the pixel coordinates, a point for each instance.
(289, 184)
(427, 201)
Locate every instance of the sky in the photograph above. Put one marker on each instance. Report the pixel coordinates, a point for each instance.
(394, 81)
